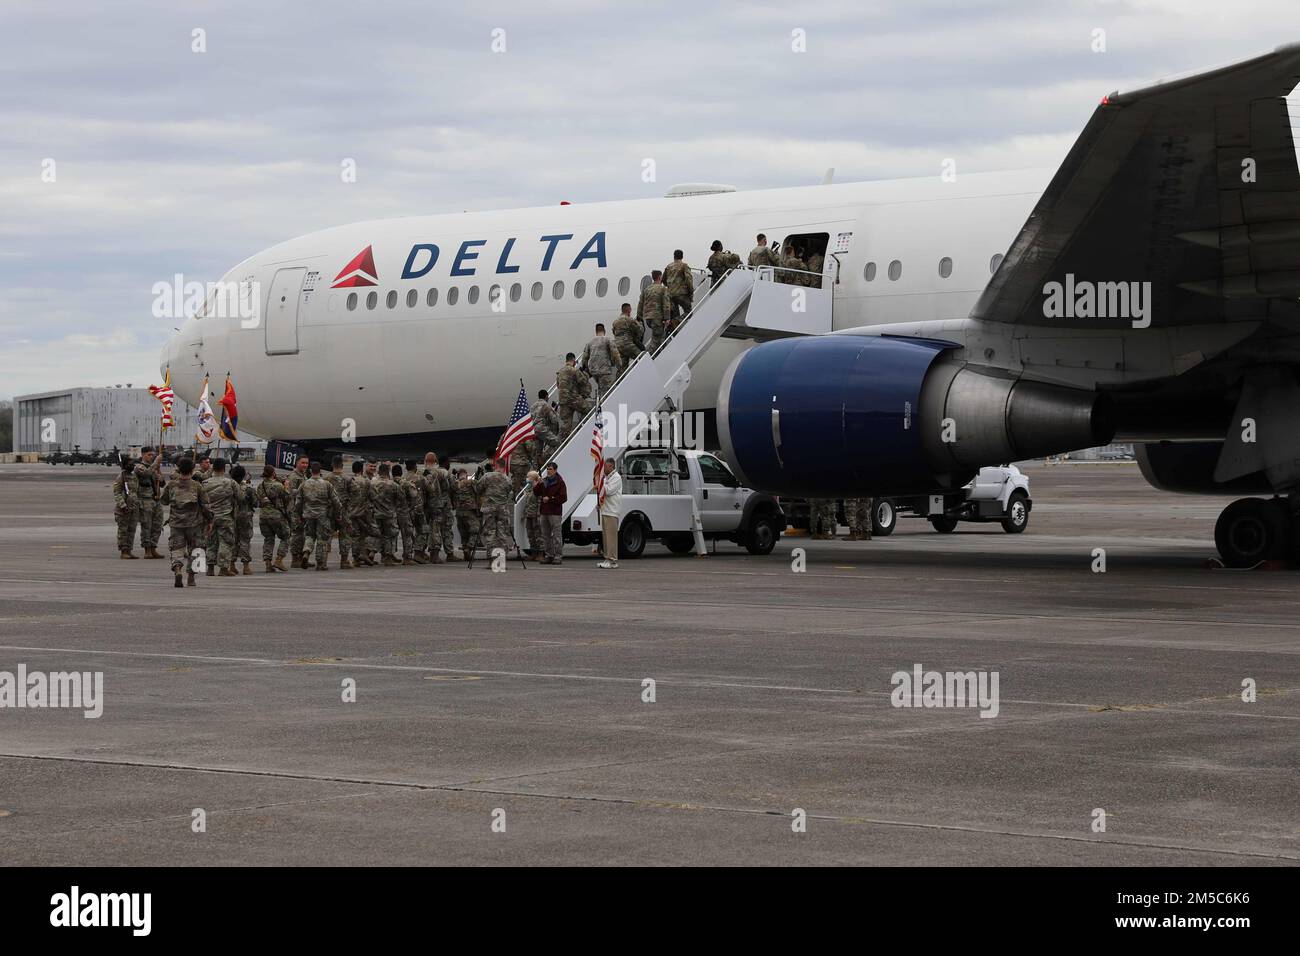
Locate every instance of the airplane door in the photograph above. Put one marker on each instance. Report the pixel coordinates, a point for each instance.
(282, 312)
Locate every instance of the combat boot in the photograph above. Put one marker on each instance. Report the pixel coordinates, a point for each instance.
(408, 562)
(211, 571)
(128, 556)
(248, 567)
(279, 564)
(346, 563)
(391, 562)
(152, 553)
(227, 572)
(179, 583)
(270, 567)
(437, 558)
(419, 558)
(189, 579)
(322, 566)
(304, 562)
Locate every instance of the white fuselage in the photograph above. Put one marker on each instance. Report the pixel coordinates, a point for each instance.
(404, 366)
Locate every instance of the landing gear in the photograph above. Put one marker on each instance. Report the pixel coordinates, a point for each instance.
(1252, 530)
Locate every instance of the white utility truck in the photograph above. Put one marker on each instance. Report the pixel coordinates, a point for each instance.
(998, 493)
(681, 499)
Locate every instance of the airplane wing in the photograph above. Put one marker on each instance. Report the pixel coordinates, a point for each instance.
(1190, 185)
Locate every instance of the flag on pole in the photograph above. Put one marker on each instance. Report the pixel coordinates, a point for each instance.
(229, 428)
(207, 429)
(520, 429)
(165, 395)
(598, 453)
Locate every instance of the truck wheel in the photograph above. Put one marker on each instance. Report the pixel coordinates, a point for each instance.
(1017, 513)
(944, 524)
(631, 539)
(761, 537)
(679, 542)
(883, 518)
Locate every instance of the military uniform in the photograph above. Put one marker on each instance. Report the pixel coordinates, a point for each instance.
(318, 506)
(602, 360)
(761, 256)
(440, 514)
(273, 519)
(126, 509)
(187, 513)
(547, 425)
(574, 395)
(245, 505)
(467, 515)
(815, 263)
(792, 271)
(533, 522)
(523, 460)
(151, 510)
(496, 507)
(412, 539)
(720, 263)
(221, 493)
(341, 484)
(857, 513)
(385, 496)
(654, 308)
(681, 288)
(359, 506)
(821, 518)
(296, 537)
(628, 336)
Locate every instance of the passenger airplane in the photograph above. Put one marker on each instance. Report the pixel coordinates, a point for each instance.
(1147, 292)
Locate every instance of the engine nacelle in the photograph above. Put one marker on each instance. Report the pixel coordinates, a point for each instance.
(846, 415)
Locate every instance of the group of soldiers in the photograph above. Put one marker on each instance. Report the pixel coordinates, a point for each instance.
(372, 509)
(822, 522)
(790, 266)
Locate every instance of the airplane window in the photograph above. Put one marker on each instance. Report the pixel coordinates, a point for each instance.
(537, 291)
(624, 284)
(645, 281)
(352, 301)
(496, 294)
(994, 263)
(412, 297)
(945, 267)
(895, 270)
(516, 291)
(372, 300)
(391, 299)
(602, 286)
(473, 294)
(557, 290)
(869, 272)
(580, 288)
(452, 295)
(432, 298)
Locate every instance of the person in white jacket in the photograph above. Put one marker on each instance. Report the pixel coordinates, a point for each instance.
(611, 502)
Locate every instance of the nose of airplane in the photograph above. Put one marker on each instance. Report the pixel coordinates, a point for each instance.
(182, 356)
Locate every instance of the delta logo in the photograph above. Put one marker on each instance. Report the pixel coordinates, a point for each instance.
(360, 271)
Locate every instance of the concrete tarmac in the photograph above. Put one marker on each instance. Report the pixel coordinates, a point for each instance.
(518, 698)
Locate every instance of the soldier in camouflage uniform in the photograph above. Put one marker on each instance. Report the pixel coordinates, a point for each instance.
(546, 422)
(628, 335)
(602, 360)
(417, 494)
(126, 507)
(292, 484)
(273, 519)
(203, 470)
(681, 287)
(342, 525)
(467, 515)
(149, 473)
(721, 262)
(187, 513)
(532, 518)
(857, 514)
(763, 254)
(221, 492)
(496, 505)
(793, 269)
(821, 519)
(319, 507)
(438, 511)
(385, 495)
(360, 516)
(574, 393)
(245, 505)
(522, 460)
(654, 309)
(816, 262)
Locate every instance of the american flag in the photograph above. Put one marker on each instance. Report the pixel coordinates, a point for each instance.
(519, 430)
(598, 453)
(165, 395)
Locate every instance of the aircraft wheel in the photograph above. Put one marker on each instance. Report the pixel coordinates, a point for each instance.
(1251, 530)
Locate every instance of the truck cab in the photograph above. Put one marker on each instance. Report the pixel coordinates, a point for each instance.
(669, 495)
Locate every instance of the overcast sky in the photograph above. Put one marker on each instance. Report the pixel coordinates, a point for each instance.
(172, 161)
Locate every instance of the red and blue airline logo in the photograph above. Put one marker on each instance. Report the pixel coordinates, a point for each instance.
(360, 271)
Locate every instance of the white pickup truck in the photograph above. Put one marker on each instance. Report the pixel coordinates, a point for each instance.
(663, 494)
(998, 493)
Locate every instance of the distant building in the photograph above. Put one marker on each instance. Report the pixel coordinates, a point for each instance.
(96, 419)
